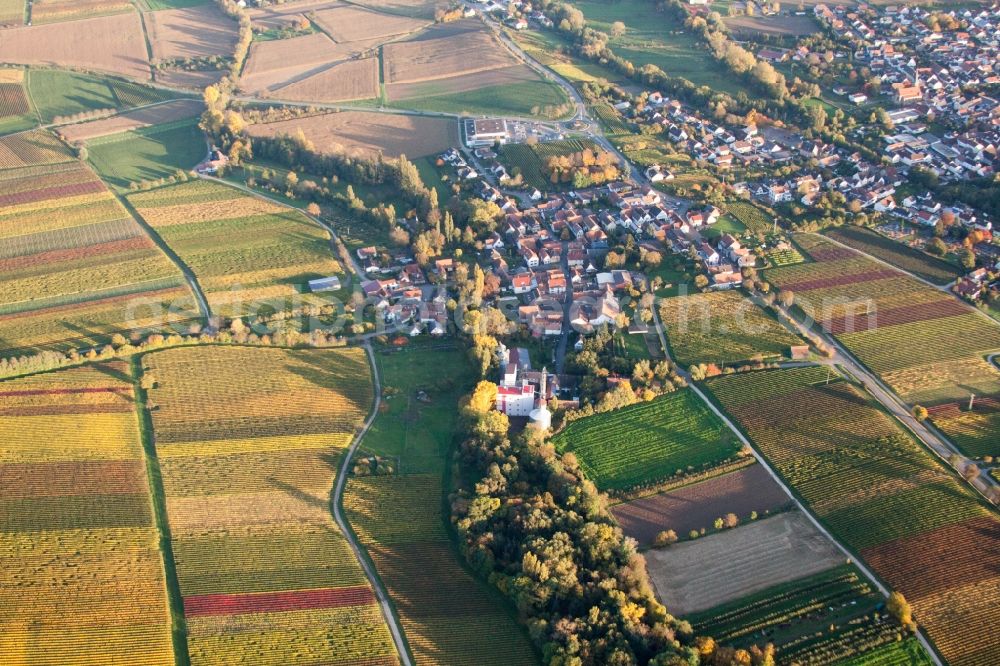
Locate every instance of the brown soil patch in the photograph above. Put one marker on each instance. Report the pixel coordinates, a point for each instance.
(776, 25)
(196, 80)
(445, 50)
(49, 11)
(154, 115)
(107, 43)
(417, 8)
(461, 83)
(285, 15)
(697, 575)
(282, 62)
(351, 80)
(346, 23)
(367, 133)
(698, 505)
(190, 32)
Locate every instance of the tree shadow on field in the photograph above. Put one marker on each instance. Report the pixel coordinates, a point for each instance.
(304, 497)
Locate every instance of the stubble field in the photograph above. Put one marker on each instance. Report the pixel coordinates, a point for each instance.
(191, 32)
(368, 133)
(163, 113)
(109, 44)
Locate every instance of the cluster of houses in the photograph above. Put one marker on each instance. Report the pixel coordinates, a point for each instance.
(938, 76)
(400, 293)
(703, 139)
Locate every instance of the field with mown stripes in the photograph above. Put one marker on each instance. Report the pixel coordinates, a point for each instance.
(248, 441)
(919, 528)
(75, 267)
(722, 327)
(925, 344)
(649, 441)
(244, 250)
(81, 577)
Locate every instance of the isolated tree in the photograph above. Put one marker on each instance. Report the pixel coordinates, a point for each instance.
(617, 29)
(937, 247)
(900, 609)
(731, 520)
(920, 413)
(786, 298)
(313, 209)
(967, 258)
(665, 538)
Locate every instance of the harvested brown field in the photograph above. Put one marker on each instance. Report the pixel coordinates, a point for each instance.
(192, 32)
(346, 23)
(282, 62)
(461, 83)
(50, 11)
(367, 132)
(415, 8)
(442, 51)
(755, 26)
(154, 115)
(696, 506)
(109, 44)
(194, 80)
(712, 570)
(288, 14)
(351, 80)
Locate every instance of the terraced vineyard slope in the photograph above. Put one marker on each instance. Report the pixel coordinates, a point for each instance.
(248, 441)
(81, 577)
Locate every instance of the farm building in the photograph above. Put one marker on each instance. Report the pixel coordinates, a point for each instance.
(485, 132)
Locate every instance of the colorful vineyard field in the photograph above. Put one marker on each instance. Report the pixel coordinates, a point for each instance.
(929, 347)
(75, 267)
(920, 530)
(81, 576)
(248, 441)
(249, 254)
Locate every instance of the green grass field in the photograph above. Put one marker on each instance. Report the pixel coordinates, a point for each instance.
(527, 99)
(448, 616)
(652, 37)
(149, 154)
(647, 442)
(418, 433)
(60, 94)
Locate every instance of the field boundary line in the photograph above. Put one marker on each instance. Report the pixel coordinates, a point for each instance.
(175, 601)
(186, 271)
(145, 39)
(336, 501)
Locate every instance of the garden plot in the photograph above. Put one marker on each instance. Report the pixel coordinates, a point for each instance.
(712, 570)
